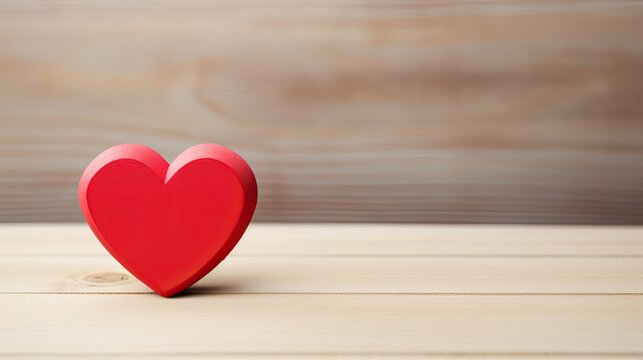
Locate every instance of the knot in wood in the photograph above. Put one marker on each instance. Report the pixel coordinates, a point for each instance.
(105, 278)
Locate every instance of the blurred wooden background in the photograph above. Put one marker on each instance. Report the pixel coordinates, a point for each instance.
(400, 111)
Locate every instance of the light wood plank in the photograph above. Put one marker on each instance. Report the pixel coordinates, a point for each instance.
(341, 275)
(364, 240)
(490, 111)
(326, 324)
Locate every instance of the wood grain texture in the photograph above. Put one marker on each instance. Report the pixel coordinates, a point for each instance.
(329, 295)
(429, 111)
(394, 240)
(326, 324)
(340, 275)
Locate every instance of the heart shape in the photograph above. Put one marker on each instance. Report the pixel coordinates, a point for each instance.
(168, 225)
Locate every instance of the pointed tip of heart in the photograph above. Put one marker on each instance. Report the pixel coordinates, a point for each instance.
(167, 293)
(168, 290)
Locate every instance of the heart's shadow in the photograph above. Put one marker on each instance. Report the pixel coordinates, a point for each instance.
(206, 289)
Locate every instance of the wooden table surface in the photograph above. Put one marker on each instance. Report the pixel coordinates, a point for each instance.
(335, 291)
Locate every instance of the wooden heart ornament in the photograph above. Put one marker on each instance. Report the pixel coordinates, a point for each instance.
(168, 224)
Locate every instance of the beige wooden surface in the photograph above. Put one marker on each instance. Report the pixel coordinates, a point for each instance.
(396, 111)
(345, 291)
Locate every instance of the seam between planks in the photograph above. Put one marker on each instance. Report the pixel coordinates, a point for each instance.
(265, 293)
(378, 256)
(331, 354)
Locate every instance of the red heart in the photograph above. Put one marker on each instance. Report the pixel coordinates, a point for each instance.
(169, 225)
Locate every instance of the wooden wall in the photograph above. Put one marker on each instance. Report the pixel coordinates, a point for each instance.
(400, 111)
